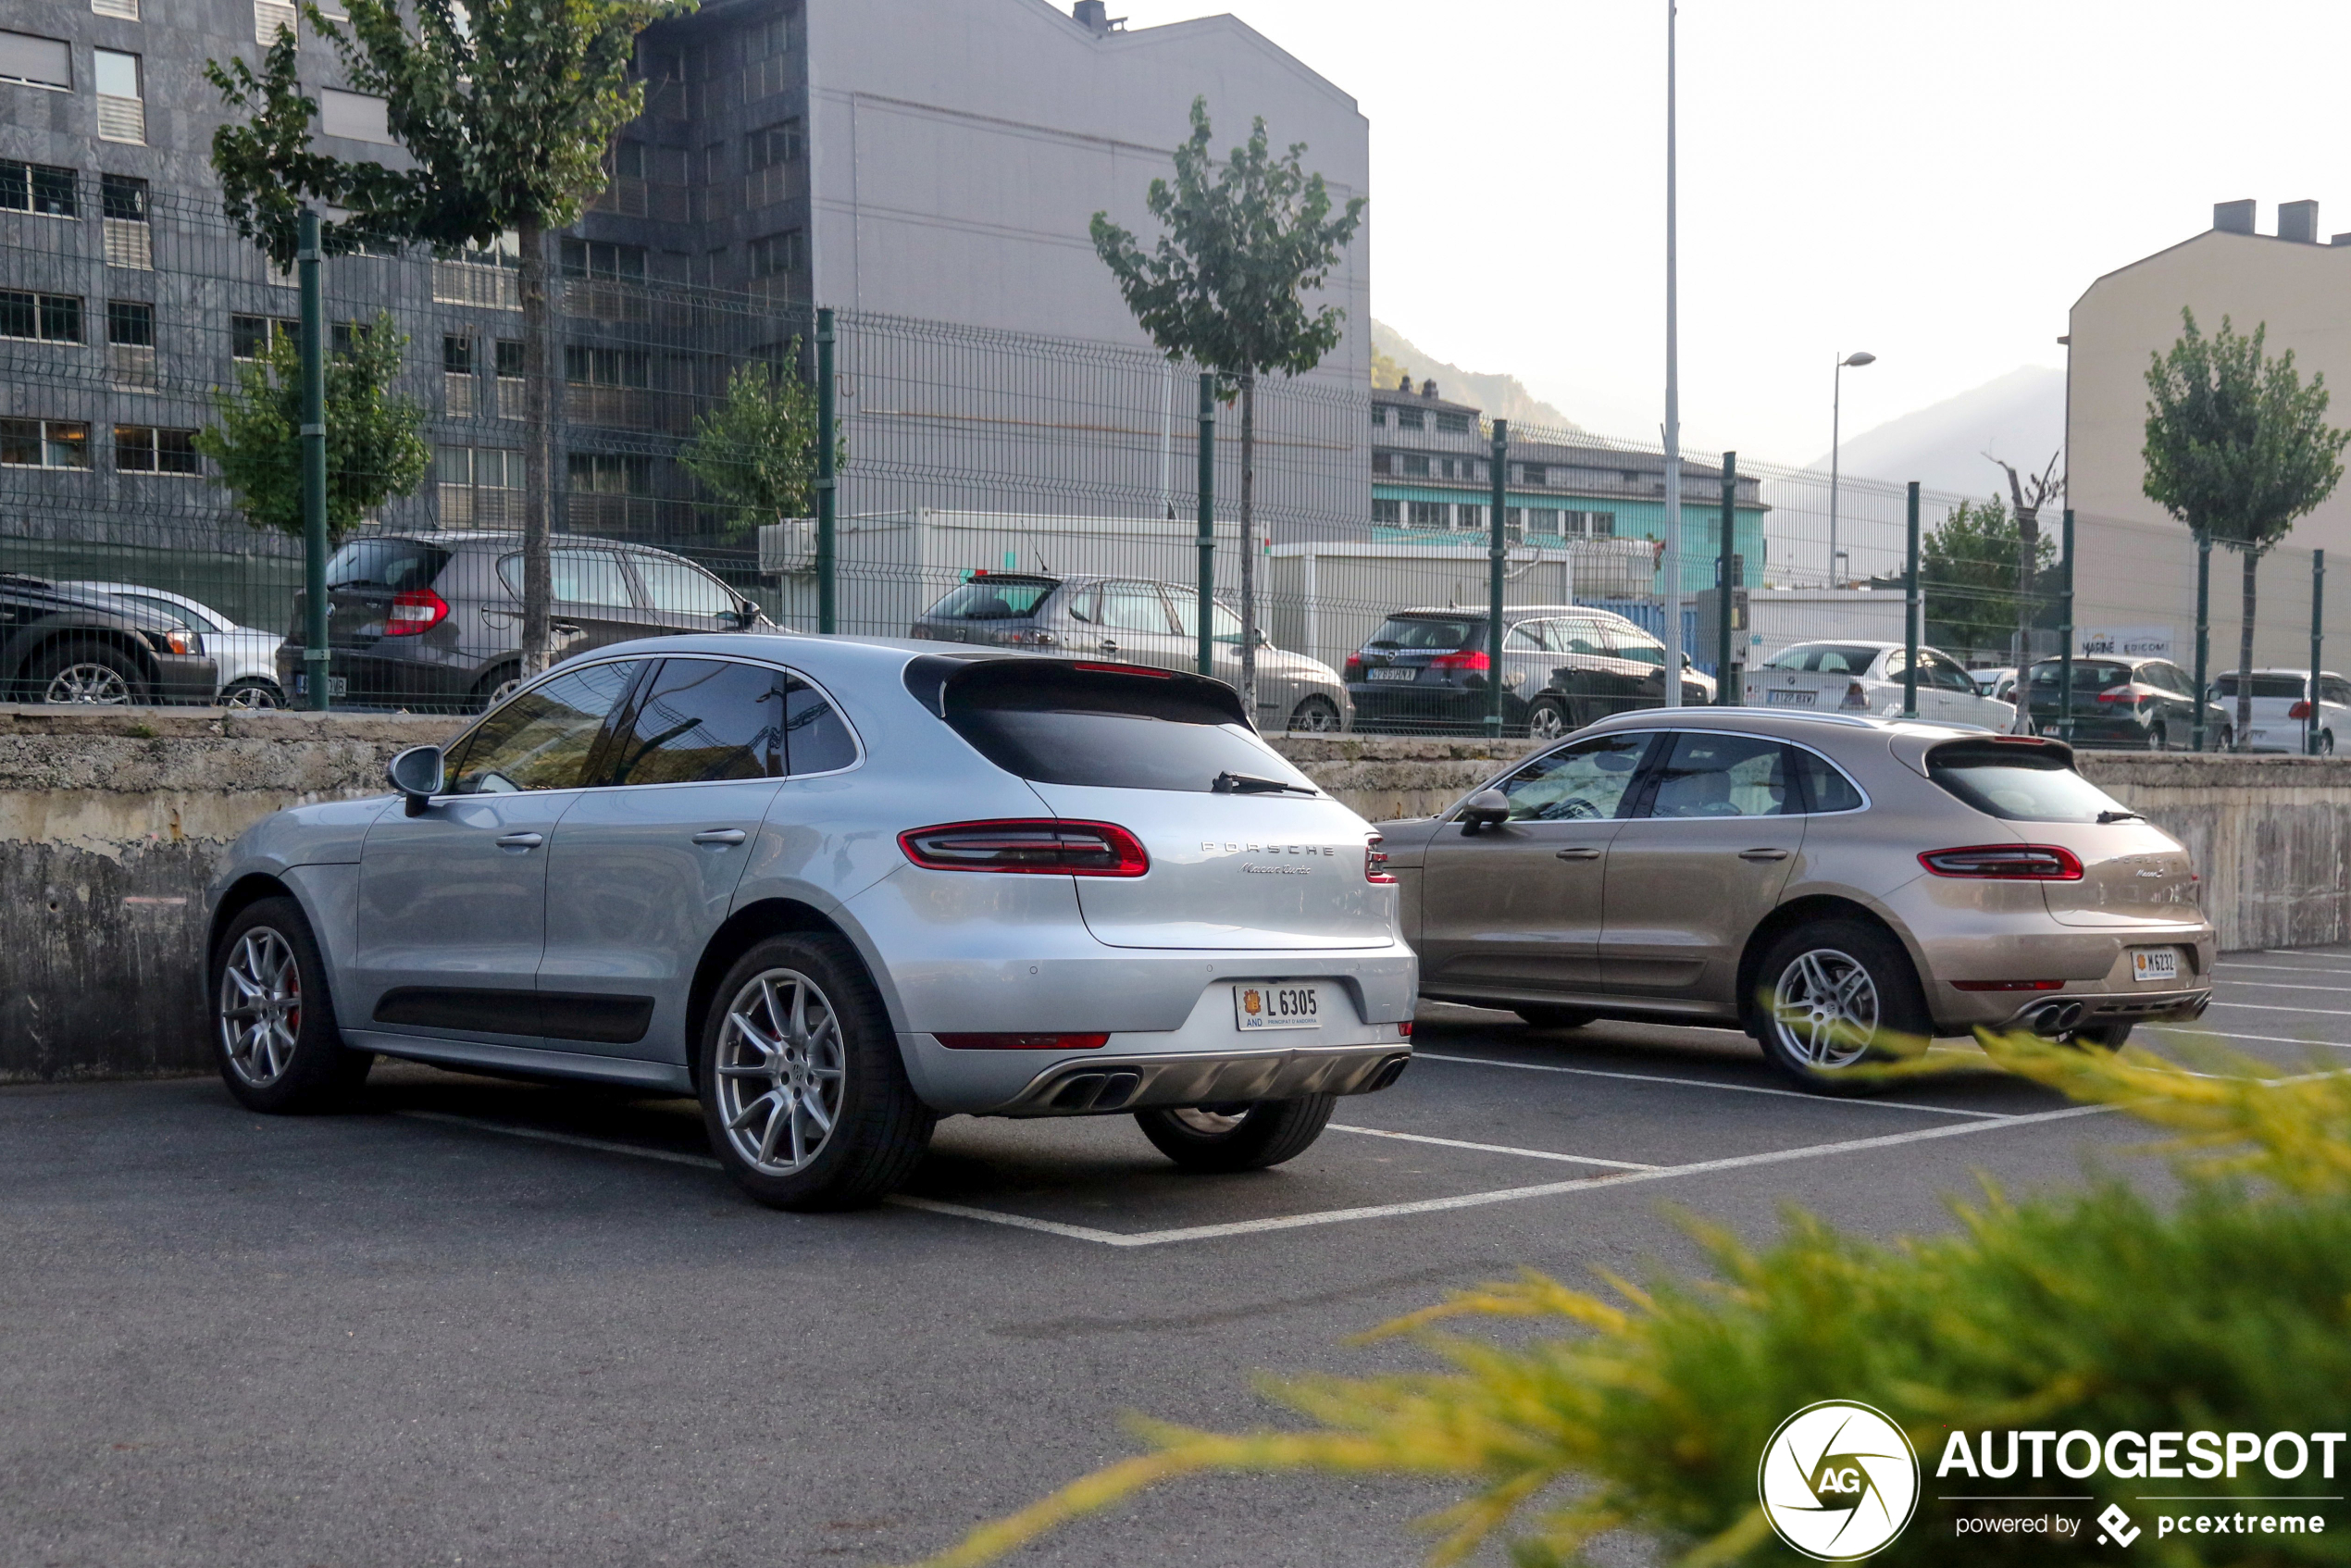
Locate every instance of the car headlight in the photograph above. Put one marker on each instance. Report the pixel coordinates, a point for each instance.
(177, 641)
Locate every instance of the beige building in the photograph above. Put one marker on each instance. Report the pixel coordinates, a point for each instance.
(2136, 563)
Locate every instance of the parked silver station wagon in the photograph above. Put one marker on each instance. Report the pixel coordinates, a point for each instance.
(1828, 884)
(836, 889)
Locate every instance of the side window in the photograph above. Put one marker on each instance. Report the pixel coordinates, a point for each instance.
(542, 739)
(1825, 787)
(816, 739)
(587, 577)
(1133, 606)
(1897, 661)
(2175, 680)
(1575, 637)
(1948, 674)
(680, 588)
(704, 719)
(1576, 783)
(1084, 605)
(2334, 689)
(1708, 775)
(1526, 637)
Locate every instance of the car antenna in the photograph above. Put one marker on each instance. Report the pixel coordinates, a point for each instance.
(1042, 570)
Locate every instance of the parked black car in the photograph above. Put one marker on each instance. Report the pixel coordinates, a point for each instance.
(58, 646)
(2147, 704)
(1563, 666)
(435, 619)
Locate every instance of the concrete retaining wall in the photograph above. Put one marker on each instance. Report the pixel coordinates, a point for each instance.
(111, 823)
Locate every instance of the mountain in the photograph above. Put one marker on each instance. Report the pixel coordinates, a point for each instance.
(2020, 417)
(1500, 397)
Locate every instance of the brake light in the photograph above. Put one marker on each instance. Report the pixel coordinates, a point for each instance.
(1354, 667)
(2119, 694)
(1023, 1042)
(1376, 862)
(1468, 658)
(1126, 669)
(1037, 846)
(414, 610)
(1854, 696)
(1404, 1030)
(2300, 710)
(2026, 863)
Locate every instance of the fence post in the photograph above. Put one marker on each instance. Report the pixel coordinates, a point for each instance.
(827, 483)
(1208, 522)
(1726, 584)
(1497, 551)
(316, 657)
(2065, 651)
(2317, 638)
(2203, 629)
(1911, 610)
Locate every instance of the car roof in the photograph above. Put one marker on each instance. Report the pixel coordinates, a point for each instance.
(1517, 612)
(1790, 723)
(498, 538)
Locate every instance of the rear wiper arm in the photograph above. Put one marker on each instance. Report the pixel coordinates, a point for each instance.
(1250, 784)
(2121, 816)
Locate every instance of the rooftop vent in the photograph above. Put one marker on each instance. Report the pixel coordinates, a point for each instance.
(2298, 221)
(1429, 389)
(1404, 383)
(2233, 218)
(1095, 17)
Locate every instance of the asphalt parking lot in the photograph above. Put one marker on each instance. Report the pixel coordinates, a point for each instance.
(483, 1322)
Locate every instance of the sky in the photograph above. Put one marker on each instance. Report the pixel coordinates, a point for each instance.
(1935, 185)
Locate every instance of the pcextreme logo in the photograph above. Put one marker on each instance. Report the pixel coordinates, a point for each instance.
(1839, 1481)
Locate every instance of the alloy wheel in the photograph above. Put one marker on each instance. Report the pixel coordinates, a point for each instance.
(87, 682)
(1546, 722)
(1315, 716)
(781, 1069)
(1826, 1008)
(260, 1006)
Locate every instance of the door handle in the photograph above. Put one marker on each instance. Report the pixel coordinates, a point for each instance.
(1110, 644)
(721, 837)
(520, 840)
(1762, 854)
(1580, 851)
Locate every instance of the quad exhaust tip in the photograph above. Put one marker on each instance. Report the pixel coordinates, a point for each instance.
(2054, 1017)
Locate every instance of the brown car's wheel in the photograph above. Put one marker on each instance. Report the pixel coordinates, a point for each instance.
(1836, 994)
(1244, 1137)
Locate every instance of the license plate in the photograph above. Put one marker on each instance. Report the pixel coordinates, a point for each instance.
(1790, 699)
(2151, 966)
(336, 686)
(1278, 1007)
(1392, 674)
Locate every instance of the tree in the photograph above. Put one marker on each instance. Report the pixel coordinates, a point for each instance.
(376, 447)
(1225, 287)
(504, 108)
(1975, 574)
(756, 451)
(2030, 492)
(2238, 448)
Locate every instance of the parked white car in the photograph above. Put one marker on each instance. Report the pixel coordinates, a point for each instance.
(2282, 708)
(1995, 682)
(247, 656)
(1866, 677)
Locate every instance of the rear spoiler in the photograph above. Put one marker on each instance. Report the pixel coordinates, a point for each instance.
(931, 677)
(1916, 751)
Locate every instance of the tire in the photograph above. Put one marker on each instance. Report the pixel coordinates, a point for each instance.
(2109, 1037)
(2158, 740)
(1246, 1137)
(1547, 720)
(273, 1019)
(86, 672)
(1316, 715)
(1553, 1018)
(252, 692)
(2326, 742)
(841, 1125)
(493, 688)
(2224, 738)
(1798, 1040)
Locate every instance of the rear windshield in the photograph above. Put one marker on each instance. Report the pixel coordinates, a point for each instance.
(1824, 658)
(2289, 687)
(386, 563)
(993, 599)
(2089, 675)
(1441, 634)
(2018, 783)
(1062, 724)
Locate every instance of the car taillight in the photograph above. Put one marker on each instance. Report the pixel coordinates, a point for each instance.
(1033, 637)
(2027, 862)
(1376, 862)
(1404, 1030)
(1023, 1042)
(2300, 710)
(1854, 696)
(1039, 846)
(1468, 658)
(2119, 694)
(1354, 667)
(414, 610)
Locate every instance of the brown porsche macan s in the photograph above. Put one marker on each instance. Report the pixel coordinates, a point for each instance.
(1829, 884)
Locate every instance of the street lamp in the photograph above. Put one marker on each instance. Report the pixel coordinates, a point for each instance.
(1671, 678)
(1836, 419)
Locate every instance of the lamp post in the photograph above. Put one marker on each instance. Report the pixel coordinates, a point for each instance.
(1671, 676)
(1836, 433)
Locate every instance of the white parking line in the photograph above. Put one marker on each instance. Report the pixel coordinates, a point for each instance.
(574, 1139)
(1493, 1148)
(2289, 968)
(2302, 953)
(2266, 1039)
(1708, 1083)
(2282, 986)
(2307, 1012)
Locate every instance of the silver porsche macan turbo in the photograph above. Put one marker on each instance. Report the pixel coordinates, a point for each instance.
(836, 889)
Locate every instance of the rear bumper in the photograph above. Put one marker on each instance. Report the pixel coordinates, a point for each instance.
(1133, 1083)
(186, 678)
(403, 675)
(2091, 964)
(1428, 706)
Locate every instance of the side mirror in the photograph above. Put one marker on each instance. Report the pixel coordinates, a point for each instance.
(746, 614)
(1488, 808)
(417, 773)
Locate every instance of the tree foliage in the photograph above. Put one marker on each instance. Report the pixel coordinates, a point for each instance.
(756, 449)
(1968, 573)
(376, 447)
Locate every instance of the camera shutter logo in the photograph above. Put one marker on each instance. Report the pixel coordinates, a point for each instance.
(1839, 1481)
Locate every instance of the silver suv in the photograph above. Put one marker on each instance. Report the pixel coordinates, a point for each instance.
(1825, 883)
(836, 889)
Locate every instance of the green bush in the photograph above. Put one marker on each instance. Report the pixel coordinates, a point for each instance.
(2228, 1308)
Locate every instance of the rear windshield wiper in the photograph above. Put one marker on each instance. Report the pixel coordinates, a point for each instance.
(2122, 816)
(1250, 784)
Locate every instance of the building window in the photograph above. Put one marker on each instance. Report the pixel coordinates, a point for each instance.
(1379, 415)
(482, 275)
(355, 116)
(131, 345)
(773, 255)
(477, 485)
(456, 355)
(1534, 473)
(588, 366)
(1415, 468)
(1452, 424)
(1388, 514)
(43, 443)
(122, 108)
(1382, 463)
(1468, 517)
(775, 145)
(143, 449)
(344, 336)
(126, 9)
(251, 337)
(123, 200)
(1428, 513)
(271, 18)
(36, 62)
(1543, 520)
(611, 473)
(39, 187)
(599, 258)
(52, 318)
(1409, 419)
